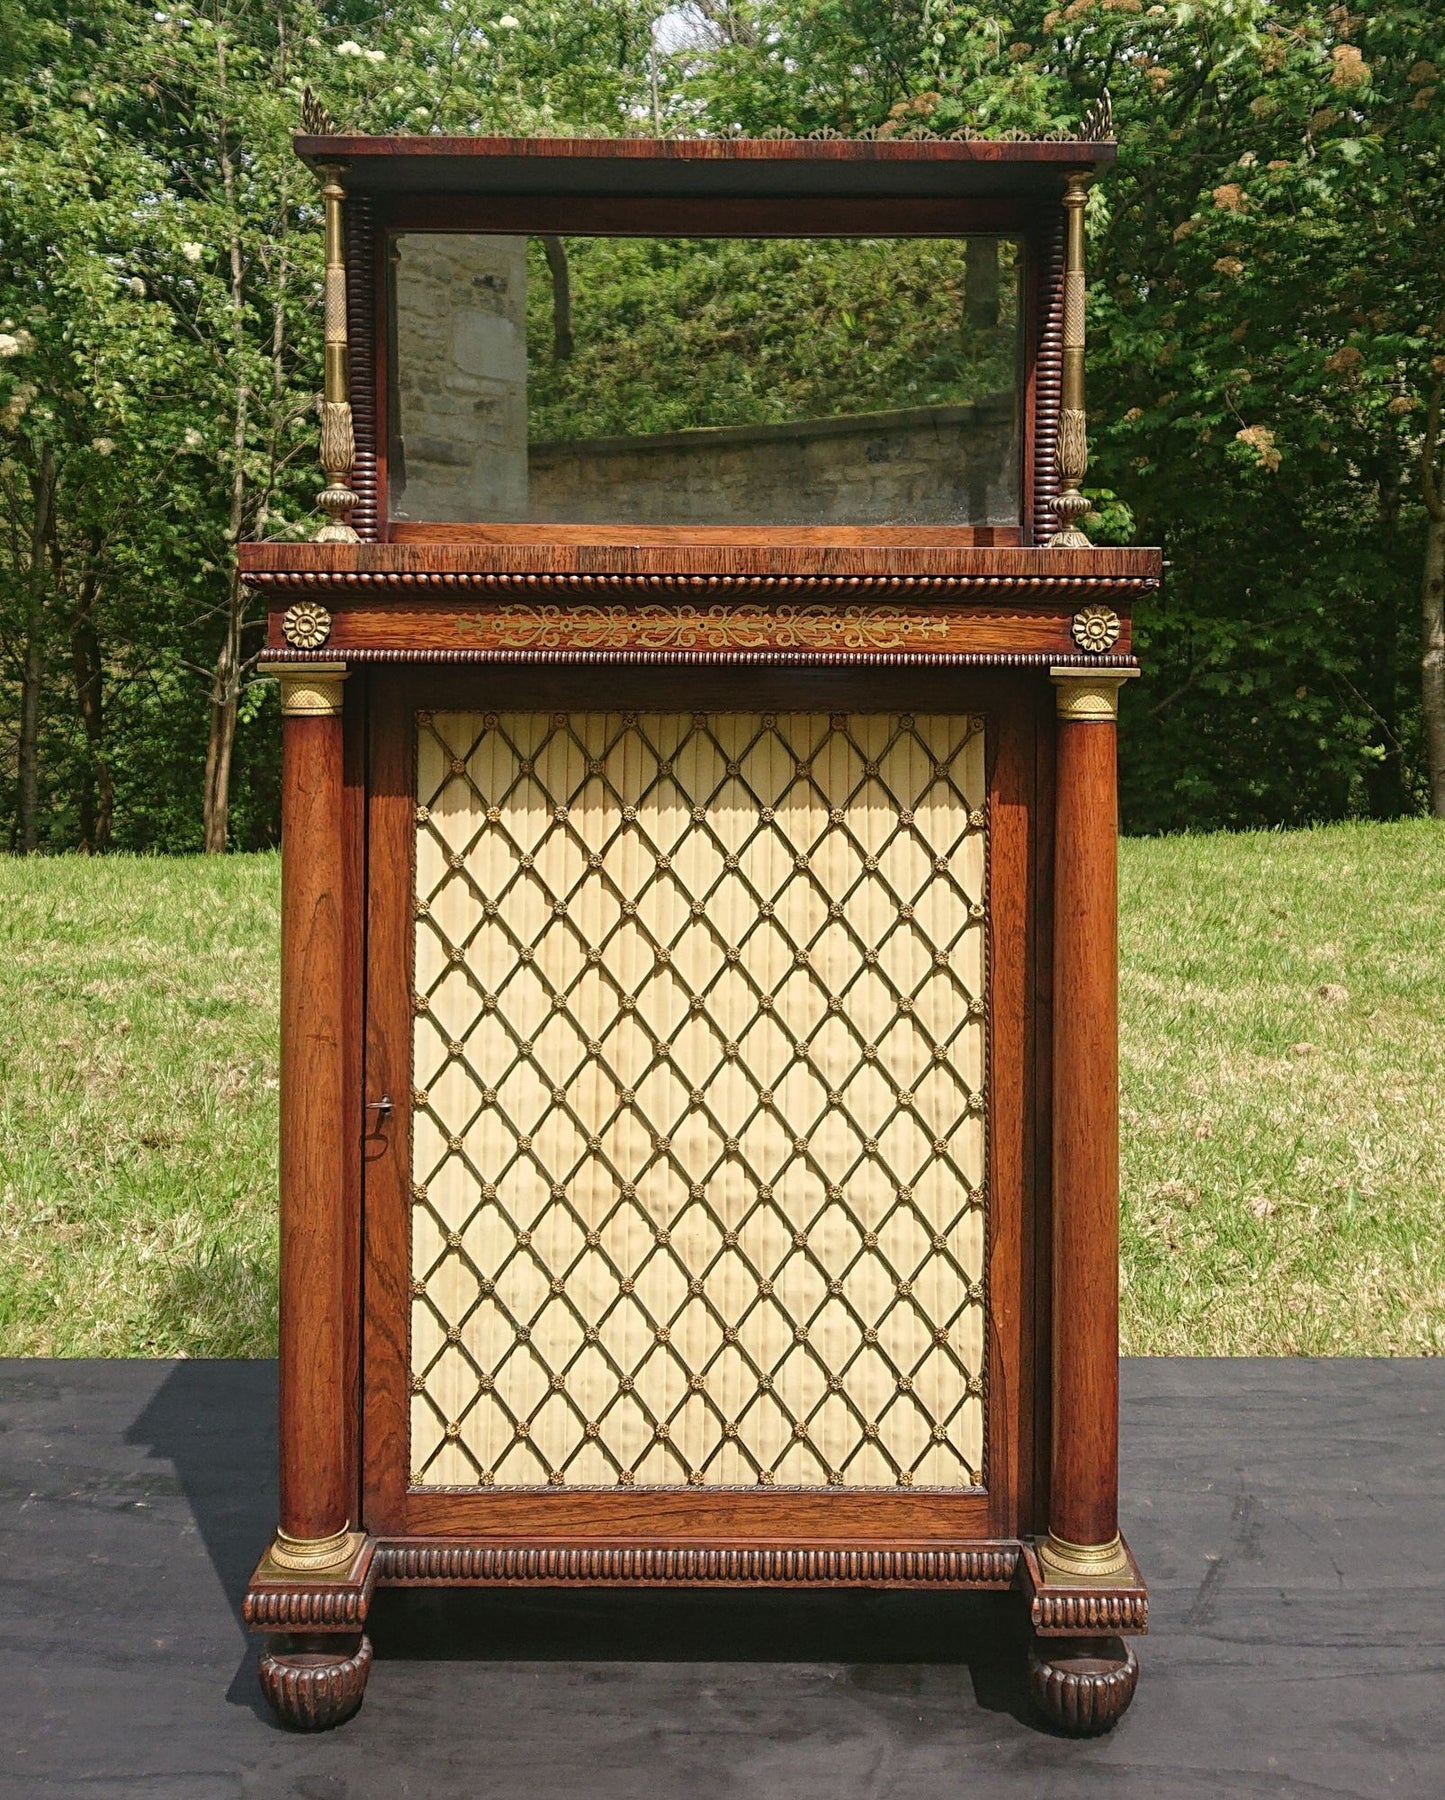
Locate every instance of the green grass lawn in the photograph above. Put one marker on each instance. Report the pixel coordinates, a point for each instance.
(1283, 1065)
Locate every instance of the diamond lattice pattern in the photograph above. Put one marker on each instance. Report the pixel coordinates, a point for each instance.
(699, 1125)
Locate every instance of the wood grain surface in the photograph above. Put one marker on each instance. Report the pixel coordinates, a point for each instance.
(1083, 1502)
(318, 1291)
(707, 171)
(715, 551)
(543, 623)
(729, 537)
(626, 1517)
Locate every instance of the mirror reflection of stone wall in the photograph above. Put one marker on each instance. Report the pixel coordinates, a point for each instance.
(928, 465)
(661, 381)
(459, 443)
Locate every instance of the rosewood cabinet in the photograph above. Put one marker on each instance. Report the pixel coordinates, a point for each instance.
(699, 1123)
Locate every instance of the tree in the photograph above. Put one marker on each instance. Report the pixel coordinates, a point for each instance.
(1267, 330)
(88, 415)
(1265, 312)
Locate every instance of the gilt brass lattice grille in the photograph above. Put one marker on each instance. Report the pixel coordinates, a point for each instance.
(698, 1130)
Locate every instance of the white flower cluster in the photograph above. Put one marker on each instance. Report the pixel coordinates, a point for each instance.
(352, 48)
(18, 404)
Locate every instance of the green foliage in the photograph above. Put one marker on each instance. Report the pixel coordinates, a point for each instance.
(1267, 331)
(1267, 322)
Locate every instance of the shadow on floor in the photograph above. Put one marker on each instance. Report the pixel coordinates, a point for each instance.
(885, 1640)
(215, 1423)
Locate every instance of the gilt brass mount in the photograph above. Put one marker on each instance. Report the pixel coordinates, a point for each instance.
(306, 625)
(1089, 696)
(1095, 629)
(1062, 1561)
(310, 690)
(314, 1556)
(1070, 504)
(338, 444)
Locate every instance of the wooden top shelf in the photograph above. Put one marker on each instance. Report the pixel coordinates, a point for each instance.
(704, 557)
(706, 167)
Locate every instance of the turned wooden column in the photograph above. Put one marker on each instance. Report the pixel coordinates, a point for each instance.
(1083, 1538)
(316, 1482)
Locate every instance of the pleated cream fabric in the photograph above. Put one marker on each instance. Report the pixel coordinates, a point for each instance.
(698, 1144)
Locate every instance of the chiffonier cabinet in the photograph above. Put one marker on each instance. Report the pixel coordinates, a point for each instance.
(698, 1117)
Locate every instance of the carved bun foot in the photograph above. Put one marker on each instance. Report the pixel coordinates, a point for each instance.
(313, 1683)
(1082, 1686)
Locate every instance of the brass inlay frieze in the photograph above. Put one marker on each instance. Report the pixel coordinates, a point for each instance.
(688, 627)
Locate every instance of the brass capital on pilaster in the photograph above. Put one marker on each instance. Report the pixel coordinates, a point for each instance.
(310, 690)
(1089, 695)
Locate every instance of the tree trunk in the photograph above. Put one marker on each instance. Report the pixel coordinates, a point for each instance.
(226, 675)
(97, 791)
(1432, 607)
(1387, 787)
(556, 253)
(1432, 659)
(980, 284)
(32, 668)
(221, 738)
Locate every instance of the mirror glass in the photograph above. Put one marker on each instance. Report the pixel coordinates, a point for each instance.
(704, 381)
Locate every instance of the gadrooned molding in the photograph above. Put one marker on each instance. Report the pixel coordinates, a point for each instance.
(424, 1564)
(306, 1609)
(849, 659)
(1086, 1613)
(309, 580)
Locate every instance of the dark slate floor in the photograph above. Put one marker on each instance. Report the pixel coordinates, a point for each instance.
(1290, 1517)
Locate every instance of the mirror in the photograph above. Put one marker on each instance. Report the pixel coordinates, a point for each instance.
(690, 381)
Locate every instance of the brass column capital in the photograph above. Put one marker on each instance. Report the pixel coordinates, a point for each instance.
(310, 690)
(1089, 696)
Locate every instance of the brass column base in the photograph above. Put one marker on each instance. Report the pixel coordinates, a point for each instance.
(1062, 1561)
(315, 1556)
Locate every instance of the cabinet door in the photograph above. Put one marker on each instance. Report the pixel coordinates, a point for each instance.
(698, 1218)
